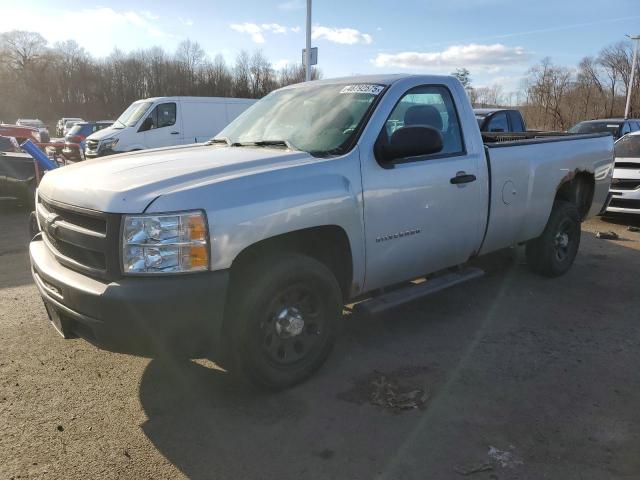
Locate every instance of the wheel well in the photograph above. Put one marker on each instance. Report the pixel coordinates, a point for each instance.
(578, 190)
(327, 244)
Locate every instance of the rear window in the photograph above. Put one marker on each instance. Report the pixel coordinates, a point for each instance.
(628, 147)
(516, 121)
(81, 129)
(596, 127)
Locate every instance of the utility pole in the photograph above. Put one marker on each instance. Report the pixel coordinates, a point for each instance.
(635, 38)
(307, 53)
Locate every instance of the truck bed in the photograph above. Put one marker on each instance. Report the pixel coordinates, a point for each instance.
(525, 172)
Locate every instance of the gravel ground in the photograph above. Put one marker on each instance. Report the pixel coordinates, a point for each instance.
(512, 376)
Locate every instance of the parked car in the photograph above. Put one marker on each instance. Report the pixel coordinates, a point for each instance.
(37, 124)
(615, 126)
(165, 121)
(68, 125)
(20, 133)
(625, 186)
(247, 247)
(75, 139)
(60, 126)
(499, 120)
(17, 172)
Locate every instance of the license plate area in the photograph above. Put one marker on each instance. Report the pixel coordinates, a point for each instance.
(58, 321)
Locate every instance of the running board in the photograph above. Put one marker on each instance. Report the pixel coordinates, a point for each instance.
(395, 298)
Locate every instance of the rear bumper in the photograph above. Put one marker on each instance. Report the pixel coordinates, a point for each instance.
(138, 315)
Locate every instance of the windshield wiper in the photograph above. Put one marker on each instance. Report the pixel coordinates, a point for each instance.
(266, 143)
(224, 140)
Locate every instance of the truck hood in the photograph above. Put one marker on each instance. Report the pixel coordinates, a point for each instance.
(129, 182)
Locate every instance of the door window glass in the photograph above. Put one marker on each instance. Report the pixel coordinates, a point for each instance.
(166, 114)
(431, 106)
(163, 115)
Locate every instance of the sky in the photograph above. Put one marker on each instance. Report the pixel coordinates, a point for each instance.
(497, 40)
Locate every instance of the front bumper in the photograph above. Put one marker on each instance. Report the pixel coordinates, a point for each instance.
(100, 152)
(138, 315)
(624, 201)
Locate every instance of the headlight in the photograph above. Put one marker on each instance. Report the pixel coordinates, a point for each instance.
(165, 243)
(109, 143)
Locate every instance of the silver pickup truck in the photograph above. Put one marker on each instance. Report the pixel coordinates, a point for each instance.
(322, 194)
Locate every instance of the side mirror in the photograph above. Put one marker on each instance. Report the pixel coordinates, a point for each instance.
(412, 141)
(146, 125)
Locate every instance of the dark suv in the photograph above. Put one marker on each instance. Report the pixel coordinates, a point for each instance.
(501, 120)
(618, 127)
(74, 139)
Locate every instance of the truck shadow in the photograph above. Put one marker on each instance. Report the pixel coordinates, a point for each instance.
(14, 246)
(479, 350)
(210, 426)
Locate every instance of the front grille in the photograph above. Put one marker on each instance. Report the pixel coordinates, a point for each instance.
(617, 202)
(81, 239)
(92, 144)
(625, 184)
(627, 165)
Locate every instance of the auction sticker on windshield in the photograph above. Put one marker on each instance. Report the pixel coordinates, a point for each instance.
(363, 88)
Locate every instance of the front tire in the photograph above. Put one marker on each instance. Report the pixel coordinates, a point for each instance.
(283, 319)
(553, 252)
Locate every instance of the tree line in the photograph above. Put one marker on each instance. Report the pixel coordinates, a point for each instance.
(555, 97)
(39, 81)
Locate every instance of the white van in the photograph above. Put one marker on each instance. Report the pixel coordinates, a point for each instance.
(165, 121)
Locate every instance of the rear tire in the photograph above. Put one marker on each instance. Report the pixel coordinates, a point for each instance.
(553, 252)
(283, 319)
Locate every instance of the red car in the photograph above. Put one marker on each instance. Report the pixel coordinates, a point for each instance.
(20, 133)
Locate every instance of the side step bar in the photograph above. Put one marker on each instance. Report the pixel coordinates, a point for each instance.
(395, 298)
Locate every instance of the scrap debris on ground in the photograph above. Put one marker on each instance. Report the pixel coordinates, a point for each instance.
(471, 469)
(397, 391)
(610, 235)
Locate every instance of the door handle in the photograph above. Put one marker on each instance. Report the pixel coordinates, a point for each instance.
(463, 177)
(175, 133)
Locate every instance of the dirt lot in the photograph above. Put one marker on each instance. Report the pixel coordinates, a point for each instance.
(514, 377)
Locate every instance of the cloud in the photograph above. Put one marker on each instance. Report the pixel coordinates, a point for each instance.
(291, 5)
(257, 31)
(296, 29)
(249, 28)
(149, 15)
(90, 27)
(274, 28)
(344, 36)
(482, 57)
(187, 22)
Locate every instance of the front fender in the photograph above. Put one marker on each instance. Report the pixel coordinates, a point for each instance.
(246, 210)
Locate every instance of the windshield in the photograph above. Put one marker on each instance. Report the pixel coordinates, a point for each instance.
(628, 147)
(320, 119)
(132, 114)
(596, 127)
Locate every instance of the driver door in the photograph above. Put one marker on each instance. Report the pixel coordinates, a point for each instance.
(160, 127)
(416, 220)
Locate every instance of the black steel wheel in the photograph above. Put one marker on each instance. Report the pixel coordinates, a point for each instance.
(553, 252)
(283, 319)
